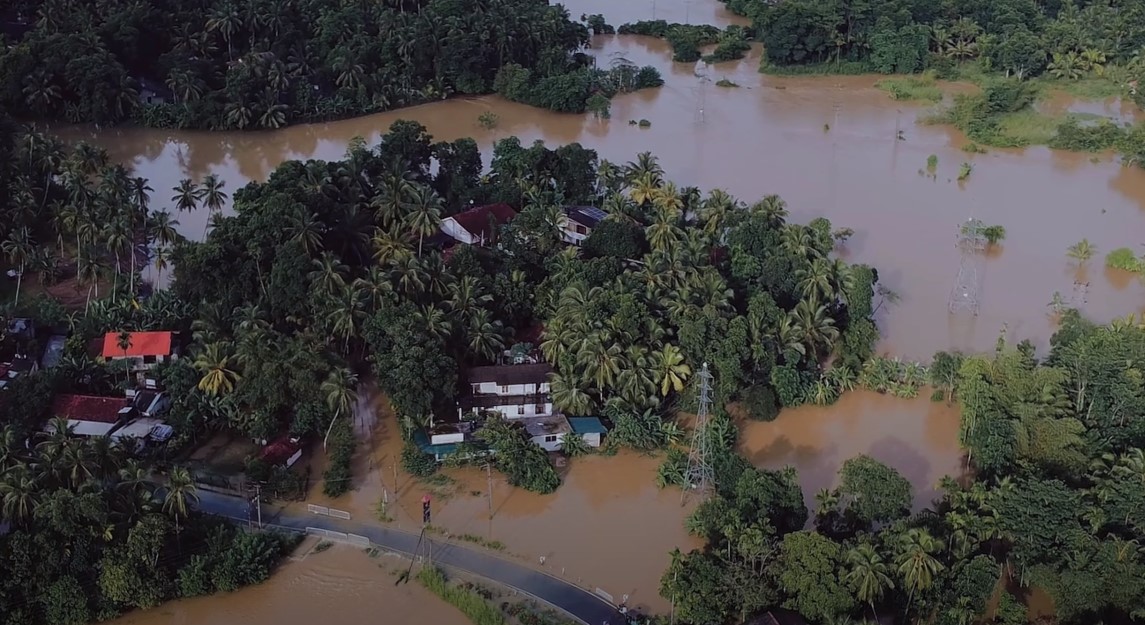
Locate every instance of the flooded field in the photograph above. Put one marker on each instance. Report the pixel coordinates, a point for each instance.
(917, 437)
(341, 586)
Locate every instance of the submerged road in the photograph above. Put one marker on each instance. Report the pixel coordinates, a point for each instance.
(580, 603)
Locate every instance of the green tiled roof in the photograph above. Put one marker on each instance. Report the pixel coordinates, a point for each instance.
(587, 425)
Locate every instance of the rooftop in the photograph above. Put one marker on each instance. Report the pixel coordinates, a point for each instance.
(483, 220)
(588, 216)
(587, 425)
(88, 408)
(505, 375)
(280, 449)
(546, 426)
(142, 344)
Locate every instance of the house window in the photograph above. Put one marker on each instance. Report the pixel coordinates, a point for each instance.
(551, 438)
(520, 410)
(504, 389)
(580, 229)
(539, 409)
(150, 360)
(476, 388)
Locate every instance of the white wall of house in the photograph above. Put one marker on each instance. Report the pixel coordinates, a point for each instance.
(521, 412)
(143, 363)
(573, 232)
(492, 388)
(593, 439)
(450, 226)
(549, 442)
(442, 439)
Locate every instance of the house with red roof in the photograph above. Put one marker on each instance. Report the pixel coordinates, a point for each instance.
(144, 350)
(478, 226)
(90, 415)
(282, 451)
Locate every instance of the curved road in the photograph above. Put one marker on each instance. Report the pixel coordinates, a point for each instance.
(580, 603)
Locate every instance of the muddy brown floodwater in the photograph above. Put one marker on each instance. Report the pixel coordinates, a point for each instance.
(341, 586)
(831, 147)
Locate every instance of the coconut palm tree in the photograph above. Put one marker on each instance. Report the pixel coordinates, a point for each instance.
(671, 371)
(187, 195)
(568, 396)
(424, 217)
(180, 491)
(1082, 251)
(867, 574)
(340, 389)
(214, 363)
(19, 248)
(486, 335)
(213, 195)
(162, 228)
(329, 274)
(915, 561)
(306, 228)
(19, 494)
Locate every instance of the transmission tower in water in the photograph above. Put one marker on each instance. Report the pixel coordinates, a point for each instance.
(971, 244)
(701, 478)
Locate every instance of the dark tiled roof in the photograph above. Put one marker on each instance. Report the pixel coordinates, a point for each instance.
(481, 221)
(88, 408)
(505, 375)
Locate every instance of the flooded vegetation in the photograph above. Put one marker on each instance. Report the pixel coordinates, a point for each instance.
(769, 137)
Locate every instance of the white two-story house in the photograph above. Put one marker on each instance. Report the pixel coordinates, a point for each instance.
(516, 391)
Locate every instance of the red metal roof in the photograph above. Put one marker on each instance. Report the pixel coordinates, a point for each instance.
(279, 450)
(88, 408)
(142, 344)
(477, 220)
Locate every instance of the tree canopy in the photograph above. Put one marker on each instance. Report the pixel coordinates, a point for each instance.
(265, 64)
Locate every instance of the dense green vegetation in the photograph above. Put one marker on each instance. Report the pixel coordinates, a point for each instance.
(265, 64)
(1054, 502)
(91, 535)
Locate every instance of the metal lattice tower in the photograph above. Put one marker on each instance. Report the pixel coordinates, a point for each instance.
(701, 478)
(971, 243)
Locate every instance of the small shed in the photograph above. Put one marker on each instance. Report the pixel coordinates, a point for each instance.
(588, 428)
(547, 432)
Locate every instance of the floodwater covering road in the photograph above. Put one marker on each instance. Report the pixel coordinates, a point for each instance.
(578, 602)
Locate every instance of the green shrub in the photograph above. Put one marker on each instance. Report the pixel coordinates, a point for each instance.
(1123, 258)
(761, 403)
(1095, 137)
(416, 462)
(471, 604)
(339, 451)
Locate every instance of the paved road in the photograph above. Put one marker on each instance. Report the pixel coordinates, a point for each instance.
(580, 603)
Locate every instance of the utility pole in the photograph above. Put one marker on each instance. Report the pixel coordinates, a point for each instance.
(258, 503)
(489, 488)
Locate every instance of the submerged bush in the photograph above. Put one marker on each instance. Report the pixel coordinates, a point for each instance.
(1123, 258)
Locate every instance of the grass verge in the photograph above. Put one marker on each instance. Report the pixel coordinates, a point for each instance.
(923, 87)
(471, 604)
